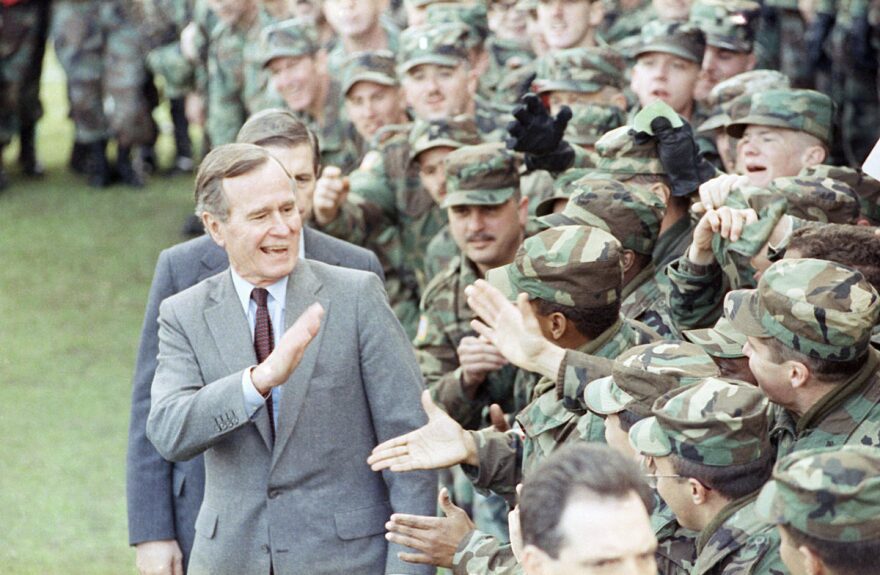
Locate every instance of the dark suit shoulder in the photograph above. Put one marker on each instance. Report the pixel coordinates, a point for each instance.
(327, 249)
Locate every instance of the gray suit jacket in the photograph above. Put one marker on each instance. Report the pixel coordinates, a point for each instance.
(164, 497)
(308, 502)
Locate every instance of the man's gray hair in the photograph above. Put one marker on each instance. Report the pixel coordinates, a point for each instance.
(226, 161)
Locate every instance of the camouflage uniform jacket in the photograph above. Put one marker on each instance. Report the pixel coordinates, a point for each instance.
(672, 244)
(505, 56)
(644, 299)
(341, 145)
(444, 322)
(696, 293)
(492, 119)
(439, 254)
(542, 426)
(849, 415)
(337, 55)
(676, 546)
(737, 542)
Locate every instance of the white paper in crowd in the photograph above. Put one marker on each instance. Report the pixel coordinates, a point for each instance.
(872, 162)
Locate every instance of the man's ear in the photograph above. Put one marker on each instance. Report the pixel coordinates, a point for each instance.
(798, 374)
(523, 211)
(812, 563)
(699, 492)
(534, 561)
(212, 226)
(813, 156)
(628, 259)
(662, 191)
(558, 325)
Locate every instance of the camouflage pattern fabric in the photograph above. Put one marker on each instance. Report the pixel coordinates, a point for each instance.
(574, 266)
(866, 187)
(378, 67)
(589, 122)
(19, 34)
(288, 39)
(439, 254)
(729, 25)
(725, 92)
(91, 38)
(444, 45)
(482, 175)
(452, 133)
(813, 198)
(832, 494)
(580, 70)
(720, 340)
(675, 38)
(676, 546)
(338, 55)
(802, 110)
(622, 28)
(505, 56)
(341, 145)
(619, 153)
(474, 16)
(821, 309)
(780, 38)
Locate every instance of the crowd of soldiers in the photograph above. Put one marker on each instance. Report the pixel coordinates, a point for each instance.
(640, 223)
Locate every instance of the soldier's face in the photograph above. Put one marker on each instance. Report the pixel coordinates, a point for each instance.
(371, 106)
(261, 232)
(673, 9)
(296, 80)
(661, 76)
(599, 536)
(675, 491)
(568, 23)
(773, 378)
(765, 153)
(299, 161)
(437, 92)
(506, 22)
(489, 235)
(432, 171)
(720, 64)
(352, 18)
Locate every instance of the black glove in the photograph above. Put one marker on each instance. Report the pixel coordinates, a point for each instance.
(539, 135)
(815, 37)
(859, 44)
(679, 155)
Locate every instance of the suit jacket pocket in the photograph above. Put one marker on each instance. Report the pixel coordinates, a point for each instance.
(206, 522)
(362, 522)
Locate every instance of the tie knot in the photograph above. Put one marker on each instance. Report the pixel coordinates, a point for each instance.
(261, 296)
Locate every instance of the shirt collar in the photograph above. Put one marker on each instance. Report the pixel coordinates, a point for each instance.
(243, 289)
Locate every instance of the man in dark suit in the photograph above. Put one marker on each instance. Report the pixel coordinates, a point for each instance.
(164, 497)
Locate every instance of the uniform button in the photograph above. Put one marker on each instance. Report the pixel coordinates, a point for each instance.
(264, 548)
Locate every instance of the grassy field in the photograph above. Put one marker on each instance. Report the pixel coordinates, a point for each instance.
(75, 268)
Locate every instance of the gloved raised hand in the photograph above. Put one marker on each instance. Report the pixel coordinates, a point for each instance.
(539, 135)
(679, 155)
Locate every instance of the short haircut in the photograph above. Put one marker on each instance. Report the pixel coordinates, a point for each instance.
(281, 128)
(857, 247)
(591, 469)
(842, 557)
(822, 369)
(730, 481)
(226, 161)
(590, 322)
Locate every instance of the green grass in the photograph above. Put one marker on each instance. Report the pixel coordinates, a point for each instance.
(75, 269)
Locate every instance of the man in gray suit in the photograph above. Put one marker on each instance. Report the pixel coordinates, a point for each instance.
(296, 497)
(164, 497)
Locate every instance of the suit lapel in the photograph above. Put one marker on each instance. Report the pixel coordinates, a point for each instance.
(213, 262)
(302, 291)
(228, 325)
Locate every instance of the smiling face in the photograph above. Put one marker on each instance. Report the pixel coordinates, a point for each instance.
(765, 153)
(295, 78)
(437, 92)
(352, 18)
(370, 106)
(506, 21)
(720, 64)
(489, 235)
(262, 230)
(568, 23)
(661, 76)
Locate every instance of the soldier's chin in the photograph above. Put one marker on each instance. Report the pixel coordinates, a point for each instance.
(760, 178)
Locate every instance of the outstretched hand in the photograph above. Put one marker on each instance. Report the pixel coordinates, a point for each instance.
(513, 329)
(438, 444)
(276, 368)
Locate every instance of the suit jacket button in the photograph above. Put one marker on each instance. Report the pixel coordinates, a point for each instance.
(264, 548)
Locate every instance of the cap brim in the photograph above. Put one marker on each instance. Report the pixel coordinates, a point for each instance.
(477, 198)
(647, 437)
(450, 61)
(716, 122)
(373, 77)
(714, 343)
(736, 129)
(556, 220)
(543, 86)
(545, 208)
(743, 309)
(667, 49)
(499, 278)
(602, 396)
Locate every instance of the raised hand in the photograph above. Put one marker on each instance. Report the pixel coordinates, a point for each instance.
(438, 444)
(726, 222)
(331, 191)
(276, 368)
(478, 358)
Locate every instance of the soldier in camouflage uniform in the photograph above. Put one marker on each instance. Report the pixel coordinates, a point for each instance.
(707, 451)
(725, 345)
(624, 21)
(729, 26)
(720, 100)
(100, 49)
(638, 378)
(826, 502)
(782, 40)
(507, 47)
(359, 27)
(816, 317)
(632, 215)
(290, 52)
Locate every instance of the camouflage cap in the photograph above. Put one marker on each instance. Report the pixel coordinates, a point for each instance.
(725, 92)
(441, 44)
(642, 374)
(421, 3)
(618, 153)
(813, 198)
(483, 175)
(375, 66)
(676, 38)
(830, 493)
(802, 110)
(473, 15)
(580, 70)
(589, 122)
(565, 186)
(631, 214)
(819, 308)
(288, 39)
(714, 422)
(866, 187)
(727, 24)
(721, 340)
(452, 133)
(574, 266)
